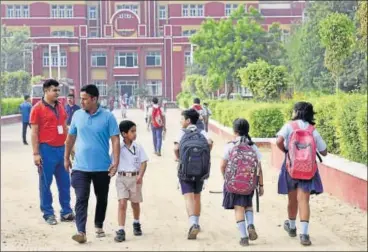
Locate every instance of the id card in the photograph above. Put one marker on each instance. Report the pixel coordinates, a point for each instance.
(136, 161)
(60, 129)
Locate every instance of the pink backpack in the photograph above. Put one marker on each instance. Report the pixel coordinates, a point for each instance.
(241, 170)
(301, 162)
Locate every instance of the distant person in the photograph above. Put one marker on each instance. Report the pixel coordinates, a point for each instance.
(197, 106)
(206, 115)
(300, 178)
(157, 122)
(124, 108)
(70, 108)
(48, 120)
(111, 103)
(25, 110)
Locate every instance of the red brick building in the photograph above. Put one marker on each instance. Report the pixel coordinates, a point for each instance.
(128, 44)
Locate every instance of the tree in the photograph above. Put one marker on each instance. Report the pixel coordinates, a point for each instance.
(37, 79)
(264, 80)
(361, 16)
(15, 84)
(337, 33)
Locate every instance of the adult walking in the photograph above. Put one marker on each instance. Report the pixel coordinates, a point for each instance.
(91, 129)
(48, 120)
(70, 109)
(25, 110)
(157, 121)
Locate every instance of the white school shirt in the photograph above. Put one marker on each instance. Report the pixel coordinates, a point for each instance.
(286, 130)
(131, 158)
(190, 127)
(230, 146)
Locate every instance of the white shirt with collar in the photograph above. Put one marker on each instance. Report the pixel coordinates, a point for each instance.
(190, 127)
(131, 158)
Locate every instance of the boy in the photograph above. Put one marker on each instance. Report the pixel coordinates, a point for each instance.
(25, 110)
(132, 166)
(191, 189)
(157, 122)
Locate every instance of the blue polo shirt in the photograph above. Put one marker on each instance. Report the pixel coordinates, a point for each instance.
(25, 110)
(93, 134)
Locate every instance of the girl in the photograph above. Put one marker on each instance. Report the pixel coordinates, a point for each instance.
(242, 203)
(299, 191)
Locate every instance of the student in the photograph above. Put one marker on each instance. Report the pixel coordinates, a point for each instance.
(70, 109)
(242, 203)
(197, 106)
(191, 188)
(25, 110)
(206, 115)
(299, 190)
(157, 121)
(132, 166)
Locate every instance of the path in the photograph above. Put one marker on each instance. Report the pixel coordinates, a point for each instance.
(334, 225)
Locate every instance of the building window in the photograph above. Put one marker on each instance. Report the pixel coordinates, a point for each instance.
(125, 59)
(18, 11)
(285, 35)
(229, 8)
(188, 33)
(131, 7)
(187, 58)
(125, 87)
(92, 12)
(162, 12)
(62, 34)
(54, 59)
(9, 11)
(154, 88)
(102, 87)
(93, 33)
(98, 59)
(25, 11)
(193, 10)
(62, 11)
(153, 59)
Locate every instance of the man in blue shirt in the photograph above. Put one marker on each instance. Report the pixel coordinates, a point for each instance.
(25, 110)
(91, 128)
(70, 108)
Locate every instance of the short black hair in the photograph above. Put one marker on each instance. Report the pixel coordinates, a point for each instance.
(196, 101)
(26, 97)
(155, 100)
(91, 90)
(304, 111)
(191, 114)
(125, 126)
(71, 95)
(50, 82)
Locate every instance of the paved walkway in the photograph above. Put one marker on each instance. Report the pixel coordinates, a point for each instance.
(334, 225)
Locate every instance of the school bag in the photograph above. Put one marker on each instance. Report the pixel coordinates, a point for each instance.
(241, 170)
(157, 118)
(302, 151)
(195, 158)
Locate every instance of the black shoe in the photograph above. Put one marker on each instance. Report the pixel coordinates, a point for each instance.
(244, 241)
(193, 232)
(252, 233)
(51, 220)
(25, 143)
(304, 240)
(120, 236)
(290, 231)
(67, 218)
(137, 229)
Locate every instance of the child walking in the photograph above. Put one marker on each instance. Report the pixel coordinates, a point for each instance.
(130, 176)
(298, 183)
(241, 166)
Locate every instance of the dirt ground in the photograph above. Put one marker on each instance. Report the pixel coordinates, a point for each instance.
(334, 225)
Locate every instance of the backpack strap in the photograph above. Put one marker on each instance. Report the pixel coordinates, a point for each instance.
(310, 128)
(294, 125)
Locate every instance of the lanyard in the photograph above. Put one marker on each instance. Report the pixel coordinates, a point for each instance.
(132, 152)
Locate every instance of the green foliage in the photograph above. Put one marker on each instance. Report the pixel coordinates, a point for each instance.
(184, 99)
(37, 79)
(15, 84)
(264, 80)
(265, 121)
(10, 106)
(362, 127)
(363, 24)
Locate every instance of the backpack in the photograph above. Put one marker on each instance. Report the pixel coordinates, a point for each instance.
(195, 158)
(302, 150)
(157, 118)
(241, 169)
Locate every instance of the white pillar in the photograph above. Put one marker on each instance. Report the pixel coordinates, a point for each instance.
(50, 62)
(59, 61)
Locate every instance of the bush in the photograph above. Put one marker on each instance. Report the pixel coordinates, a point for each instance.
(265, 121)
(10, 106)
(362, 127)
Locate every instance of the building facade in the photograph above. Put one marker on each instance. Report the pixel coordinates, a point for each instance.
(125, 44)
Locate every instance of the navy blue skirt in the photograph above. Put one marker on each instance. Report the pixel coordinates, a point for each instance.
(287, 184)
(231, 200)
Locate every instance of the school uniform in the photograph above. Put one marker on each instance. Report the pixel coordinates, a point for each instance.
(191, 186)
(130, 162)
(230, 199)
(287, 184)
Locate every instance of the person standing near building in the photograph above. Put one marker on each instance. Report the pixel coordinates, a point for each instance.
(91, 128)
(70, 108)
(157, 122)
(48, 120)
(25, 110)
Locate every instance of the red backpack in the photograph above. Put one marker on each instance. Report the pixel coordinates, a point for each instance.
(157, 118)
(302, 150)
(241, 170)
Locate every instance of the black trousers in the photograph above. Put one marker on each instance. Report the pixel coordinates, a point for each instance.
(24, 131)
(81, 182)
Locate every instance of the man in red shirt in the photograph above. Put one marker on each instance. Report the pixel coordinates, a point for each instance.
(48, 120)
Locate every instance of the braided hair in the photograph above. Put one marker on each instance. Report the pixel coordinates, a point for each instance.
(241, 127)
(304, 111)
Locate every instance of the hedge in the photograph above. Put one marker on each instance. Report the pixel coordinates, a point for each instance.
(340, 119)
(10, 106)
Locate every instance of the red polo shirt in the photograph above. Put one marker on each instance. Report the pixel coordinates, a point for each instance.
(48, 119)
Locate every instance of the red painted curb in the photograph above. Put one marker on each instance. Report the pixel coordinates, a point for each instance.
(5, 120)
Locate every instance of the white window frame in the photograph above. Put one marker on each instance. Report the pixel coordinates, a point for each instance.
(54, 59)
(157, 58)
(63, 34)
(25, 11)
(102, 87)
(93, 33)
(10, 11)
(185, 10)
(120, 55)
(229, 8)
(200, 10)
(188, 33)
(18, 11)
(192, 10)
(92, 12)
(54, 11)
(162, 12)
(132, 7)
(154, 83)
(62, 11)
(95, 56)
(69, 12)
(187, 58)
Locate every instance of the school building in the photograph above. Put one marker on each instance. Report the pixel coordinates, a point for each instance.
(125, 44)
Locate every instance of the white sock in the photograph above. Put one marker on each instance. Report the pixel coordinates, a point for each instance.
(136, 221)
(242, 229)
(196, 220)
(292, 224)
(192, 220)
(121, 228)
(304, 226)
(249, 217)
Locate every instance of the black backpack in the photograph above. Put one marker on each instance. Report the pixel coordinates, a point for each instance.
(195, 158)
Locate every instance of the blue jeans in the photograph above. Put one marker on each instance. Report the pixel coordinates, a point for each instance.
(53, 165)
(157, 138)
